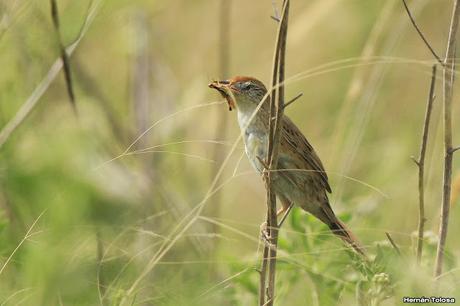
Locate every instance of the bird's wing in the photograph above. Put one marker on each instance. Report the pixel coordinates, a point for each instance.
(303, 154)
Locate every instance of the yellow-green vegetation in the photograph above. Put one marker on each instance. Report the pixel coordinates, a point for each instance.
(125, 201)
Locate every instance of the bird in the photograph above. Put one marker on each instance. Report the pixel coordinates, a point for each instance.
(300, 178)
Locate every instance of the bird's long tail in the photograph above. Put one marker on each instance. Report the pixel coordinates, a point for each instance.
(339, 229)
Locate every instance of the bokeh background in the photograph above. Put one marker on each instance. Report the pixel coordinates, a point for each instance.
(93, 214)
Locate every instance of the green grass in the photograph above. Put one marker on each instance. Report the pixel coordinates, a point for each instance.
(84, 221)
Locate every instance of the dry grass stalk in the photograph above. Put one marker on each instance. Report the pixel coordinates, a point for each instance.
(268, 271)
(393, 243)
(64, 55)
(420, 162)
(41, 88)
(448, 70)
(420, 33)
(221, 128)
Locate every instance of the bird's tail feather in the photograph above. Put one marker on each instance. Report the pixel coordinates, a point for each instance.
(339, 229)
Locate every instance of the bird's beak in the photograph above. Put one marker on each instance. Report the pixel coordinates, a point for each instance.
(224, 88)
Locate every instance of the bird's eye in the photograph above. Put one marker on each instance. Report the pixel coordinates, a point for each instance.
(245, 85)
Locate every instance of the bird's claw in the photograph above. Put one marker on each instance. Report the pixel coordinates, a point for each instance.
(265, 236)
(264, 172)
(265, 167)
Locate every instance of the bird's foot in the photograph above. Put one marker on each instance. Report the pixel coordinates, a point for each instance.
(265, 235)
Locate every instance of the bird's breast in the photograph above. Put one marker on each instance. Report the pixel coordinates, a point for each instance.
(256, 147)
(255, 137)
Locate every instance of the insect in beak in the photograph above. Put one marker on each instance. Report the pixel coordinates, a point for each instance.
(224, 87)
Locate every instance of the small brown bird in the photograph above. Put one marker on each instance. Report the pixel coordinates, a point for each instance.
(300, 177)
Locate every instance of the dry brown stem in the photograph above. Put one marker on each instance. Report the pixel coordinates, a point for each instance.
(64, 55)
(448, 70)
(420, 162)
(393, 243)
(420, 33)
(268, 270)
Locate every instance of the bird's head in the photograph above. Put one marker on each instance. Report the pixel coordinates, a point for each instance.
(240, 92)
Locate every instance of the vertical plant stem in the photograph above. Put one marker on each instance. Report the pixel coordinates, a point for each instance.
(224, 37)
(263, 276)
(224, 63)
(448, 70)
(275, 125)
(141, 78)
(421, 166)
(100, 275)
(64, 55)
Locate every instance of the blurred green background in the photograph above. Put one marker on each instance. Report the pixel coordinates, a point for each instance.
(90, 214)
